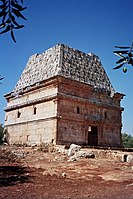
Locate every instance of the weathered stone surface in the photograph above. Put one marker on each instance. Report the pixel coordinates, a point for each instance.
(81, 154)
(64, 96)
(64, 61)
(72, 159)
(19, 153)
(61, 149)
(73, 149)
(124, 157)
(130, 158)
(84, 154)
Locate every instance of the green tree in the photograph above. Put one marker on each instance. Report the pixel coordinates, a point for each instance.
(10, 13)
(126, 57)
(1, 133)
(127, 140)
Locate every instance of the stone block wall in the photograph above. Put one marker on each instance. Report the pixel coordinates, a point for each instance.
(77, 110)
(35, 132)
(32, 116)
(60, 95)
(34, 112)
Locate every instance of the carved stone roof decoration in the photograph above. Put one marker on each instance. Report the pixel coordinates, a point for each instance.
(64, 61)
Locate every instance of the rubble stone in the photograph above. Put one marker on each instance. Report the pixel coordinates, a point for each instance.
(73, 149)
(130, 158)
(84, 154)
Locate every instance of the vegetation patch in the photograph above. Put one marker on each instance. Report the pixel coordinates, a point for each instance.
(127, 140)
(47, 147)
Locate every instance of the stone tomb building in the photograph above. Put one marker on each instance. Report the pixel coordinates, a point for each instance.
(64, 96)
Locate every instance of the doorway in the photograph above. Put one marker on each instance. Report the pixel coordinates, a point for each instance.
(92, 136)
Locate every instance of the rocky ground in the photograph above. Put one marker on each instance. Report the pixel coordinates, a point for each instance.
(31, 173)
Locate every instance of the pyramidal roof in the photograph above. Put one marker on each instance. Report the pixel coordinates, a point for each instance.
(64, 61)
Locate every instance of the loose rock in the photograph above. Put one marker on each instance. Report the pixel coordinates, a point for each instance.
(73, 149)
(130, 158)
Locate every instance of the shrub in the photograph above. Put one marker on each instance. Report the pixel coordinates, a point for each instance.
(127, 140)
(6, 155)
(47, 147)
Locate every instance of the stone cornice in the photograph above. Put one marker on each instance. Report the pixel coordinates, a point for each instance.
(31, 102)
(80, 99)
(31, 121)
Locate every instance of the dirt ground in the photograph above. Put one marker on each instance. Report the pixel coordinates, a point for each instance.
(39, 175)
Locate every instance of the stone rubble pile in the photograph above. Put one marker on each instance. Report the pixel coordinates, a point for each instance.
(64, 61)
(75, 153)
(127, 158)
(73, 149)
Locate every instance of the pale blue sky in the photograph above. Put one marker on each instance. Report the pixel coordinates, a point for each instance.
(88, 25)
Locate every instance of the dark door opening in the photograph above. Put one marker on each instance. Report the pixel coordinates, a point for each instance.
(92, 136)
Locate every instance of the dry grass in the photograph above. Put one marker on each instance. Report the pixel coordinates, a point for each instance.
(47, 147)
(6, 155)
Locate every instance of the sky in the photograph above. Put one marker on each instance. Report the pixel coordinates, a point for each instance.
(88, 25)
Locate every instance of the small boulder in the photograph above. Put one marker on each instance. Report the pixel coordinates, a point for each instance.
(72, 158)
(19, 153)
(84, 154)
(73, 149)
(130, 158)
(124, 158)
(64, 174)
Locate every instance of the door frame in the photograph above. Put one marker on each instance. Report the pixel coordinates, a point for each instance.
(92, 135)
